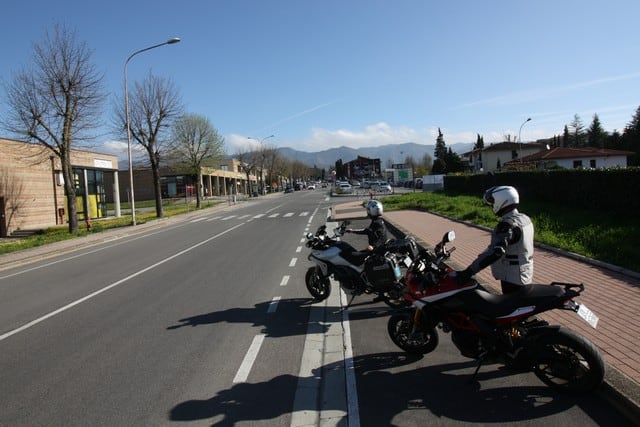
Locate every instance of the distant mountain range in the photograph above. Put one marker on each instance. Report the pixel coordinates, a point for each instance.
(394, 152)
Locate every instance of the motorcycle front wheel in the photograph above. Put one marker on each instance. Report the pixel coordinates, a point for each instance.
(402, 333)
(318, 286)
(568, 362)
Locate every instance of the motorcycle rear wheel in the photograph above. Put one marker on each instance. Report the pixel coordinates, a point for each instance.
(420, 341)
(568, 362)
(318, 286)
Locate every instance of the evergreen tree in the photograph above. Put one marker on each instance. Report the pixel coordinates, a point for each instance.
(596, 134)
(453, 162)
(631, 139)
(578, 136)
(441, 148)
(565, 137)
(479, 145)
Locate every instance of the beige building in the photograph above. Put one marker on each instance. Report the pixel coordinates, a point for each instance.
(494, 156)
(32, 191)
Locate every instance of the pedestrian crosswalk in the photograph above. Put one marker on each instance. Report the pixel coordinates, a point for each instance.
(272, 215)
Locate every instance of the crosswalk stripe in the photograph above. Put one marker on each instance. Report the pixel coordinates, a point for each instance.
(287, 215)
(304, 213)
(274, 215)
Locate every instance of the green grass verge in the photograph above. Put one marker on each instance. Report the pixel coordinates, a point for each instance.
(599, 235)
(56, 234)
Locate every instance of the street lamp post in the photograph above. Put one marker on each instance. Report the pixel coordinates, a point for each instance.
(520, 139)
(128, 124)
(260, 141)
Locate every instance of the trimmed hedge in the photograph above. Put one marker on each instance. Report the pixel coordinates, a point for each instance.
(613, 190)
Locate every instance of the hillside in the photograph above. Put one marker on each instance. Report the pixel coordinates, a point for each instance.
(394, 152)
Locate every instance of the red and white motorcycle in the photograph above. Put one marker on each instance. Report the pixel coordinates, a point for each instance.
(497, 328)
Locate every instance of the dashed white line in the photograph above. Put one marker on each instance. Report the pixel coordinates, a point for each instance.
(299, 249)
(284, 281)
(249, 358)
(293, 262)
(273, 305)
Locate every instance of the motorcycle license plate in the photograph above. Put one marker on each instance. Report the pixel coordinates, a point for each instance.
(588, 315)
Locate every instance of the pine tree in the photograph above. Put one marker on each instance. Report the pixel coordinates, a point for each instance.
(578, 136)
(596, 135)
(631, 138)
(440, 151)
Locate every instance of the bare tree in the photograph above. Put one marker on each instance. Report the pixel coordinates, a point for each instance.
(56, 101)
(11, 190)
(153, 106)
(195, 143)
(249, 162)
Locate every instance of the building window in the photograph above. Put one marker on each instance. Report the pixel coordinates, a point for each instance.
(592, 163)
(577, 164)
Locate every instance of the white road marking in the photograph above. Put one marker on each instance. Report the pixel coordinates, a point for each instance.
(273, 305)
(293, 262)
(113, 285)
(299, 249)
(249, 358)
(288, 214)
(284, 281)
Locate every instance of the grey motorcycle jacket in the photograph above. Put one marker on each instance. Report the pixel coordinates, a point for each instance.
(510, 252)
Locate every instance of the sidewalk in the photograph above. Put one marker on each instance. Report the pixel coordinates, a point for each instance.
(612, 293)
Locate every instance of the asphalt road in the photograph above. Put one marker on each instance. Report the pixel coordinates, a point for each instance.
(205, 321)
(199, 321)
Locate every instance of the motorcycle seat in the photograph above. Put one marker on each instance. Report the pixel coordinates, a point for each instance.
(356, 257)
(494, 305)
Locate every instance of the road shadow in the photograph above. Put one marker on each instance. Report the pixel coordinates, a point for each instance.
(298, 310)
(444, 390)
(449, 392)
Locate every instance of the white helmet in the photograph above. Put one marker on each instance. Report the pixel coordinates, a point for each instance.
(374, 208)
(500, 198)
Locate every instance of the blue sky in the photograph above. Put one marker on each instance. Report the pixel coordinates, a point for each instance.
(321, 74)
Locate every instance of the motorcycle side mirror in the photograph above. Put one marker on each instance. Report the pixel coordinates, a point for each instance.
(449, 236)
(309, 236)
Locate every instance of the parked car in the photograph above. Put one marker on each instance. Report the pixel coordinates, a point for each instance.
(345, 188)
(289, 189)
(311, 187)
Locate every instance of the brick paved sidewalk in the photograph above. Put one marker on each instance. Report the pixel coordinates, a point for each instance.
(612, 295)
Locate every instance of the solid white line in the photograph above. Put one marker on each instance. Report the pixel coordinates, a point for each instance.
(273, 305)
(285, 280)
(293, 262)
(349, 369)
(249, 358)
(113, 285)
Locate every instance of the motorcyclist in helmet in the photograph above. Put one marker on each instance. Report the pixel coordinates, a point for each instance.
(376, 231)
(510, 253)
